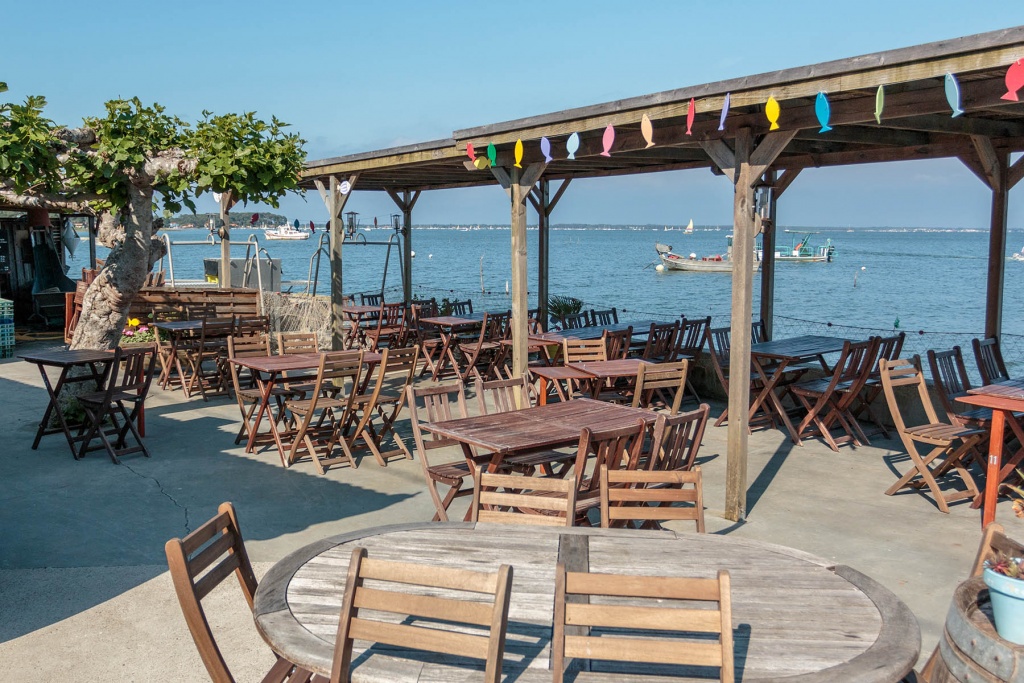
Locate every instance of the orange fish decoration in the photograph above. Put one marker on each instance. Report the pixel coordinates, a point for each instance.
(470, 152)
(1014, 80)
(608, 140)
(647, 130)
(691, 112)
(772, 111)
(519, 154)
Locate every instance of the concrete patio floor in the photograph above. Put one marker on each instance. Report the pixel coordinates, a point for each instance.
(84, 589)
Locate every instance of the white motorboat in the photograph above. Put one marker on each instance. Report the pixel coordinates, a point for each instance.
(286, 232)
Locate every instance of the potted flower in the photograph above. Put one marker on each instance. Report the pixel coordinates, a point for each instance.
(137, 333)
(1004, 577)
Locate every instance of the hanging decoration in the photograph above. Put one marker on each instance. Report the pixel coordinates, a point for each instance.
(470, 152)
(647, 130)
(690, 113)
(255, 217)
(953, 95)
(772, 111)
(482, 163)
(879, 103)
(216, 197)
(572, 144)
(1014, 80)
(345, 187)
(519, 154)
(545, 149)
(608, 140)
(725, 112)
(492, 154)
(823, 111)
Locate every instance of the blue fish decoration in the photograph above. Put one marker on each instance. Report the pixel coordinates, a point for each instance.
(572, 145)
(953, 95)
(823, 111)
(545, 149)
(725, 112)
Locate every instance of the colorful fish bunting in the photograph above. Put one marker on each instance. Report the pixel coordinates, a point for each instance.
(647, 130)
(823, 111)
(608, 140)
(572, 144)
(519, 154)
(1014, 80)
(772, 111)
(725, 112)
(953, 95)
(545, 149)
(879, 103)
(492, 154)
(691, 111)
(470, 152)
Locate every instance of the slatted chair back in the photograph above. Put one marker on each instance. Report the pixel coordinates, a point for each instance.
(434, 403)
(127, 382)
(390, 326)
(500, 395)
(661, 385)
(677, 440)
(385, 401)
(427, 307)
(618, 448)
(289, 343)
(498, 326)
(692, 335)
(584, 350)
(949, 375)
(216, 546)
(217, 329)
(719, 341)
(661, 342)
(905, 373)
(890, 347)
(860, 358)
(513, 499)
(481, 607)
(618, 342)
(580, 620)
(336, 369)
(245, 347)
(462, 307)
(133, 370)
(370, 299)
(418, 310)
(990, 360)
(650, 497)
(574, 321)
(608, 317)
(251, 326)
(758, 332)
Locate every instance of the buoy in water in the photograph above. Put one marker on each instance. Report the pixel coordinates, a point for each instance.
(660, 267)
(430, 256)
(412, 254)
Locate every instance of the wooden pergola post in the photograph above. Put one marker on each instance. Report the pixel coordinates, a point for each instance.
(542, 201)
(226, 202)
(335, 202)
(406, 201)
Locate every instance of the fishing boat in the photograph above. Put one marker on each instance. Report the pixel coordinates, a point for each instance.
(286, 232)
(801, 250)
(718, 263)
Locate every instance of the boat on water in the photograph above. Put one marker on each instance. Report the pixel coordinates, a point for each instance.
(801, 250)
(718, 263)
(286, 232)
(689, 228)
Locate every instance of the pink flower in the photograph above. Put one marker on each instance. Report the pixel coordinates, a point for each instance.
(129, 333)
(143, 328)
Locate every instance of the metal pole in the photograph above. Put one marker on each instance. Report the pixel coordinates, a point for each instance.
(337, 296)
(768, 260)
(407, 247)
(543, 246)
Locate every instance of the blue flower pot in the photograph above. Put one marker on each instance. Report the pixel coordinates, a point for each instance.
(1007, 597)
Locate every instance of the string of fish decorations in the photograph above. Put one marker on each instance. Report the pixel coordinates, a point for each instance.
(772, 110)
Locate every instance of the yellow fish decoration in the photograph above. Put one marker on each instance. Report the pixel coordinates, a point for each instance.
(519, 153)
(647, 130)
(771, 110)
(481, 163)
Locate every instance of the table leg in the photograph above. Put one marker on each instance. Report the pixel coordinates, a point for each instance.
(768, 394)
(445, 355)
(51, 406)
(542, 389)
(266, 387)
(995, 457)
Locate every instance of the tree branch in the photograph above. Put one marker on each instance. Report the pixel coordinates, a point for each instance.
(76, 202)
(76, 136)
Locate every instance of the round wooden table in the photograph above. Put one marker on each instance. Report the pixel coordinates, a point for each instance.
(795, 617)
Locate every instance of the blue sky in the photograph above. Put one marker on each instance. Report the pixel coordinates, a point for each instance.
(355, 76)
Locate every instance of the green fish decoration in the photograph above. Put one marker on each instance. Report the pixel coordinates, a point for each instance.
(492, 154)
(879, 103)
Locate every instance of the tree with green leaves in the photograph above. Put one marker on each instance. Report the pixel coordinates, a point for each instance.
(125, 166)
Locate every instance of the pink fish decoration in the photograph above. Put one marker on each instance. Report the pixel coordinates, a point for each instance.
(1014, 80)
(470, 151)
(545, 149)
(689, 116)
(608, 140)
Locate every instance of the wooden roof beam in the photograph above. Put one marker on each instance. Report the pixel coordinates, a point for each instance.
(961, 125)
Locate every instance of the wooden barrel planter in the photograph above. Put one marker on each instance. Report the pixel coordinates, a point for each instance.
(970, 650)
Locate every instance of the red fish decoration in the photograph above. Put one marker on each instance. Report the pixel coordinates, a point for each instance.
(608, 140)
(470, 152)
(1014, 80)
(689, 116)
(312, 227)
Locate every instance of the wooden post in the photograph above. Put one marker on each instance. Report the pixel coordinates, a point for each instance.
(406, 201)
(997, 249)
(543, 250)
(226, 202)
(768, 261)
(92, 242)
(335, 201)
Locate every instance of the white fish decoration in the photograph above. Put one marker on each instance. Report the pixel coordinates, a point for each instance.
(545, 149)
(572, 145)
(725, 112)
(953, 95)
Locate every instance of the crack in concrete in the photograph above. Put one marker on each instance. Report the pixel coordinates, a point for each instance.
(188, 525)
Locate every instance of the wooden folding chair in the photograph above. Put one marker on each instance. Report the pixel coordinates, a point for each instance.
(690, 345)
(480, 356)
(589, 605)
(990, 360)
(384, 402)
(218, 544)
(574, 321)
(389, 329)
(206, 358)
(889, 348)
(949, 376)
(297, 342)
(246, 394)
(539, 501)
(661, 385)
(608, 317)
(319, 420)
(251, 326)
(676, 440)
(462, 308)
(127, 384)
(395, 610)
(719, 341)
(434, 404)
(649, 497)
(426, 336)
(618, 343)
(949, 444)
(661, 343)
(617, 448)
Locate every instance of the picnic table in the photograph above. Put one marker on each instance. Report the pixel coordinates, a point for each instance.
(533, 429)
(66, 361)
(1004, 399)
(794, 614)
(770, 360)
(268, 371)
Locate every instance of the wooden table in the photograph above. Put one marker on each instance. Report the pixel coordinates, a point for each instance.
(554, 375)
(66, 361)
(640, 329)
(770, 360)
(793, 614)
(178, 331)
(357, 315)
(268, 370)
(446, 326)
(534, 429)
(603, 370)
(1004, 398)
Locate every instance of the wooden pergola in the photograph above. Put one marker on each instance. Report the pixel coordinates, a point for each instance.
(922, 88)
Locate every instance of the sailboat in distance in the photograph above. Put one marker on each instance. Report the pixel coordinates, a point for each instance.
(689, 228)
